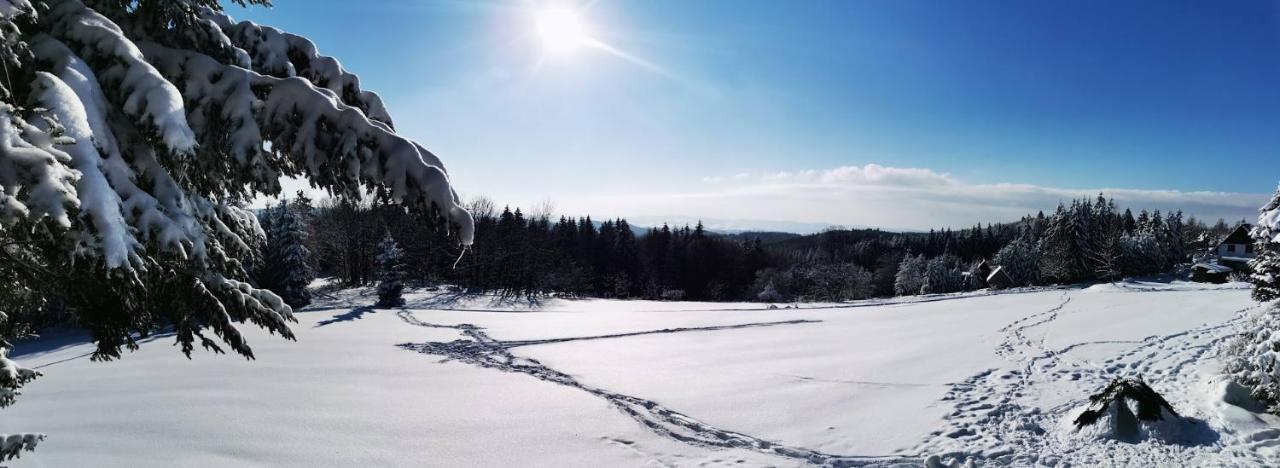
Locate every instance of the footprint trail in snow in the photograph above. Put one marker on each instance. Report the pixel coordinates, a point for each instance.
(998, 417)
(481, 350)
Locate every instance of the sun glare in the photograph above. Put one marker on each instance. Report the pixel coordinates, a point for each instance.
(561, 30)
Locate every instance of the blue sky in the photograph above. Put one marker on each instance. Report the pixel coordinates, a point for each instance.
(950, 112)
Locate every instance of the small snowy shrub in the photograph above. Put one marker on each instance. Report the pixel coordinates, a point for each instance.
(1129, 410)
(770, 294)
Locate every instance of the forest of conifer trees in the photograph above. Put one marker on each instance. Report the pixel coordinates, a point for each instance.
(530, 255)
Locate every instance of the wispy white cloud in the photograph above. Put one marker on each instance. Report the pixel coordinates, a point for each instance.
(896, 197)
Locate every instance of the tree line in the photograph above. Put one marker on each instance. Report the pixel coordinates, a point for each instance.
(530, 254)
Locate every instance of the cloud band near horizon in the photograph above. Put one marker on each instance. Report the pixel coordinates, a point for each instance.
(893, 197)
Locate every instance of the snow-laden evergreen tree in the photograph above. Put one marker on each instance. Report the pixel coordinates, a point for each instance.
(910, 275)
(1266, 263)
(131, 132)
(1141, 253)
(1020, 260)
(390, 273)
(1063, 247)
(1254, 358)
(1103, 252)
(1176, 247)
(286, 270)
(943, 274)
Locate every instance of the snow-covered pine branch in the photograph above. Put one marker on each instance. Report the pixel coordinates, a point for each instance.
(12, 378)
(280, 54)
(133, 132)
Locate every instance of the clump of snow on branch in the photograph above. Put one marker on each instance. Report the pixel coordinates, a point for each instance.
(36, 178)
(276, 53)
(133, 83)
(104, 229)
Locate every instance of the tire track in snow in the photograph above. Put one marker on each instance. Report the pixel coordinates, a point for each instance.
(481, 350)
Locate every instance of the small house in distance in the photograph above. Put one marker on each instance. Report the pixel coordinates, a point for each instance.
(977, 276)
(1231, 254)
(1236, 249)
(1210, 273)
(998, 279)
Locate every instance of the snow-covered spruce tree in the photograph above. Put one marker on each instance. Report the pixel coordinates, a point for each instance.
(1103, 252)
(130, 133)
(286, 270)
(1140, 253)
(1254, 358)
(390, 273)
(1266, 264)
(1019, 260)
(943, 274)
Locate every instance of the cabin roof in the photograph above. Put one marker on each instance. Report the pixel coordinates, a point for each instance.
(1239, 236)
(997, 272)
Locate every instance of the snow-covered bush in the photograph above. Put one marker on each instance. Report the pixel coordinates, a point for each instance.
(390, 273)
(673, 295)
(1253, 358)
(1111, 413)
(770, 294)
(131, 134)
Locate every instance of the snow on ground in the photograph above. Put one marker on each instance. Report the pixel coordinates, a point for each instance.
(473, 381)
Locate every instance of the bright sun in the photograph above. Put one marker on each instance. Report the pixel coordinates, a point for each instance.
(561, 30)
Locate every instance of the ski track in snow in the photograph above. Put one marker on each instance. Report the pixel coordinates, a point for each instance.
(482, 350)
(994, 420)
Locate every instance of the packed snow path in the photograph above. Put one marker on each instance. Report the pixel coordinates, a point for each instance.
(992, 379)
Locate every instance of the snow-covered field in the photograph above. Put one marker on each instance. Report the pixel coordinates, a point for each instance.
(990, 378)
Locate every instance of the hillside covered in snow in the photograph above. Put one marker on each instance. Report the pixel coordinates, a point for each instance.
(468, 381)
